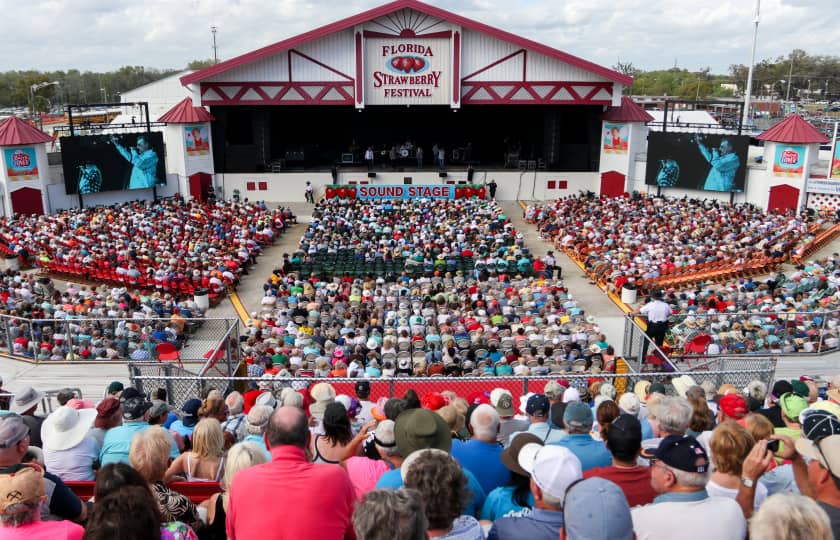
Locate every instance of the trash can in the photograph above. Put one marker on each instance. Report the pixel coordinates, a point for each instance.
(202, 299)
(12, 262)
(629, 294)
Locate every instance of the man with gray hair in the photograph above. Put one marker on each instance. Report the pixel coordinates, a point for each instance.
(482, 453)
(683, 509)
(669, 416)
(235, 423)
(386, 514)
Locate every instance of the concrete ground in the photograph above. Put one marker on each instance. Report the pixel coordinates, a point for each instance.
(92, 379)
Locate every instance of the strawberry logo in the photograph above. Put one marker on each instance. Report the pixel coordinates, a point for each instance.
(408, 64)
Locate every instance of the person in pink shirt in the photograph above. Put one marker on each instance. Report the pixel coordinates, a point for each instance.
(312, 488)
(365, 472)
(21, 497)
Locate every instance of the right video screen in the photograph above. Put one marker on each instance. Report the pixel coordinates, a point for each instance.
(705, 161)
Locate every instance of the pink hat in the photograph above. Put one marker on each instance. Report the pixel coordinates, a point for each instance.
(80, 404)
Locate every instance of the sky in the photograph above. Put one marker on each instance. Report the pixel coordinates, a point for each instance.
(102, 35)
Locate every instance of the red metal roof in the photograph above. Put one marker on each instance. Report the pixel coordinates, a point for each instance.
(185, 113)
(391, 7)
(629, 111)
(16, 132)
(793, 130)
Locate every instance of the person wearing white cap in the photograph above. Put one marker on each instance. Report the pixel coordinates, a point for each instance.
(70, 451)
(553, 470)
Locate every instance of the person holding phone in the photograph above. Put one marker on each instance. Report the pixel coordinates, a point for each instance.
(144, 162)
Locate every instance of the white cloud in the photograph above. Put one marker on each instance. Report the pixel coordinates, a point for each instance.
(106, 34)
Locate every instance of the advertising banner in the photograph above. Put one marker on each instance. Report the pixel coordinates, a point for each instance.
(834, 170)
(710, 162)
(197, 140)
(407, 71)
(615, 138)
(405, 192)
(789, 160)
(21, 163)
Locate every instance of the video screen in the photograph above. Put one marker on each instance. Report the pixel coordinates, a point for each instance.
(112, 162)
(711, 162)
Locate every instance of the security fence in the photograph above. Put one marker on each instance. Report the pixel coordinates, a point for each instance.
(181, 385)
(115, 339)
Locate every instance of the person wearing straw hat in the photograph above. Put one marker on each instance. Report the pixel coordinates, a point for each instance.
(70, 450)
(25, 404)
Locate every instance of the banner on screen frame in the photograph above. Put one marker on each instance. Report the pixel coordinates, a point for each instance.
(789, 160)
(405, 192)
(21, 163)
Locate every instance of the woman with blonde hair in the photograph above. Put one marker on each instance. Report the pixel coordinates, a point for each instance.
(730, 444)
(204, 463)
(240, 456)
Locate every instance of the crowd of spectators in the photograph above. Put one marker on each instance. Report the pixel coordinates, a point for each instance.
(89, 322)
(656, 461)
(793, 312)
(620, 239)
(169, 245)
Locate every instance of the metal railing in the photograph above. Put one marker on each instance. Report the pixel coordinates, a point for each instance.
(46, 401)
(181, 386)
(82, 339)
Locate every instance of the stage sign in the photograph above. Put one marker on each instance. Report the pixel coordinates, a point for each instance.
(21, 163)
(407, 71)
(405, 192)
(197, 140)
(697, 161)
(615, 138)
(823, 186)
(789, 160)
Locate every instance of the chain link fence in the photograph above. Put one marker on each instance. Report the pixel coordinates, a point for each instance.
(182, 385)
(114, 339)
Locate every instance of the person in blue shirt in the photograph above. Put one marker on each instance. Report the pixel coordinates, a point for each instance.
(117, 441)
(186, 424)
(482, 453)
(417, 429)
(515, 497)
(578, 420)
(724, 162)
(553, 469)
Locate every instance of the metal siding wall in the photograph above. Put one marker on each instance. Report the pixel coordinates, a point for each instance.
(273, 68)
(337, 51)
(480, 50)
(543, 68)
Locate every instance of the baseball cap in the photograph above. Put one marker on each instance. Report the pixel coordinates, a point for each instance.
(657, 387)
(115, 387)
(799, 388)
(158, 408)
(190, 409)
(629, 403)
(129, 393)
(626, 424)
(362, 389)
(22, 486)
(502, 400)
(818, 424)
(825, 450)
(433, 401)
(597, 509)
(538, 405)
(780, 388)
(384, 434)
(683, 453)
(134, 408)
(733, 405)
(571, 394)
(12, 430)
(578, 415)
(792, 405)
(553, 390)
(552, 468)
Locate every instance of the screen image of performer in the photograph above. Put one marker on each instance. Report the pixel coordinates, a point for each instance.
(90, 178)
(724, 162)
(144, 161)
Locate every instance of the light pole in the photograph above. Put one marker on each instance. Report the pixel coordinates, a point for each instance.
(746, 117)
(33, 88)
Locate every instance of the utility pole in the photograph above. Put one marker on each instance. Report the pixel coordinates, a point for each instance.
(746, 118)
(790, 76)
(213, 30)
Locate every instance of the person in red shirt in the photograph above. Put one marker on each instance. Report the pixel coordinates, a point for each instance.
(318, 512)
(624, 441)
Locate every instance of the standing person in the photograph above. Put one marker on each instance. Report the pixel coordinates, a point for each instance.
(309, 194)
(369, 158)
(491, 187)
(290, 472)
(657, 313)
(419, 155)
(724, 162)
(144, 162)
(550, 265)
(441, 157)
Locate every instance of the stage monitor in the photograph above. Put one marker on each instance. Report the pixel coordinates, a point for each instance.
(711, 162)
(112, 162)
